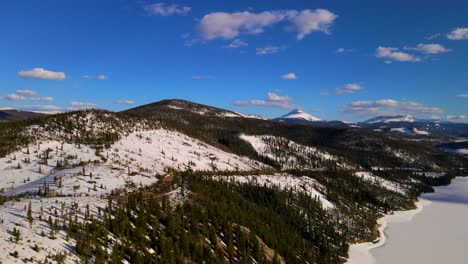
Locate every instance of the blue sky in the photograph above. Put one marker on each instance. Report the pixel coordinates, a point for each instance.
(335, 59)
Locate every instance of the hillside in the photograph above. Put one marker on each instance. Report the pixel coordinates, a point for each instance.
(203, 183)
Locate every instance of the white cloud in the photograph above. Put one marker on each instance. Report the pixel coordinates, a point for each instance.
(230, 25)
(349, 88)
(462, 95)
(433, 36)
(75, 105)
(388, 107)
(429, 48)
(46, 109)
(271, 100)
(307, 21)
(16, 97)
(26, 92)
(237, 43)
(343, 50)
(223, 25)
(393, 54)
(162, 9)
(289, 76)
(125, 102)
(40, 73)
(100, 77)
(268, 50)
(458, 34)
(26, 95)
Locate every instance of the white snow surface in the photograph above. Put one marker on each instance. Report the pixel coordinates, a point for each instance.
(286, 181)
(433, 233)
(254, 116)
(13, 215)
(389, 185)
(135, 160)
(360, 253)
(299, 114)
(295, 152)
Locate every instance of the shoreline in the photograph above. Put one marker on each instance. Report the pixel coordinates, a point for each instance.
(360, 253)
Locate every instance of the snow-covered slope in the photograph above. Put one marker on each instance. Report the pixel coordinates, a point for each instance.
(389, 185)
(134, 160)
(36, 240)
(254, 116)
(290, 155)
(285, 181)
(300, 115)
(391, 119)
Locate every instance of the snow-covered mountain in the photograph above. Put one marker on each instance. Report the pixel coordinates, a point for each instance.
(297, 116)
(111, 173)
(391, 119)
(301, 115)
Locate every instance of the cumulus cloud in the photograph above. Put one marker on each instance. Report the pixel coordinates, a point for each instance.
(388, 107)
(343, 50)
(46, 109)
(237, 43)
(26, 92)
(76, 105)
(100, 77)
(289, 76)
(224, 25)
(433, 36)
(26, 95)
(429, 48)
(268, 50)
(271, 100)
(162, 9)
(125, 102)
(349, 88)
(40, 73)
(458, 34)
(307, 21)
(393, 54)
(16, 97)
(462, 95)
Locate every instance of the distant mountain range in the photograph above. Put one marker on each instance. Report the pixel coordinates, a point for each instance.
(199, 183)
(12, 115)
(391, 119)
(443, 135)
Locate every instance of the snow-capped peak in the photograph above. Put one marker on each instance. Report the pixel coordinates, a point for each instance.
(390, 119)
(299, 114)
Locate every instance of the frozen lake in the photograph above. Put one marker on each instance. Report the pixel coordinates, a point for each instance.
(436, 234)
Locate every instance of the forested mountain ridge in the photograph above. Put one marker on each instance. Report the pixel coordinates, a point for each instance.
(186, 183)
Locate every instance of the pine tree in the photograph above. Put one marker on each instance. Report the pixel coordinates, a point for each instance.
(29, 215)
